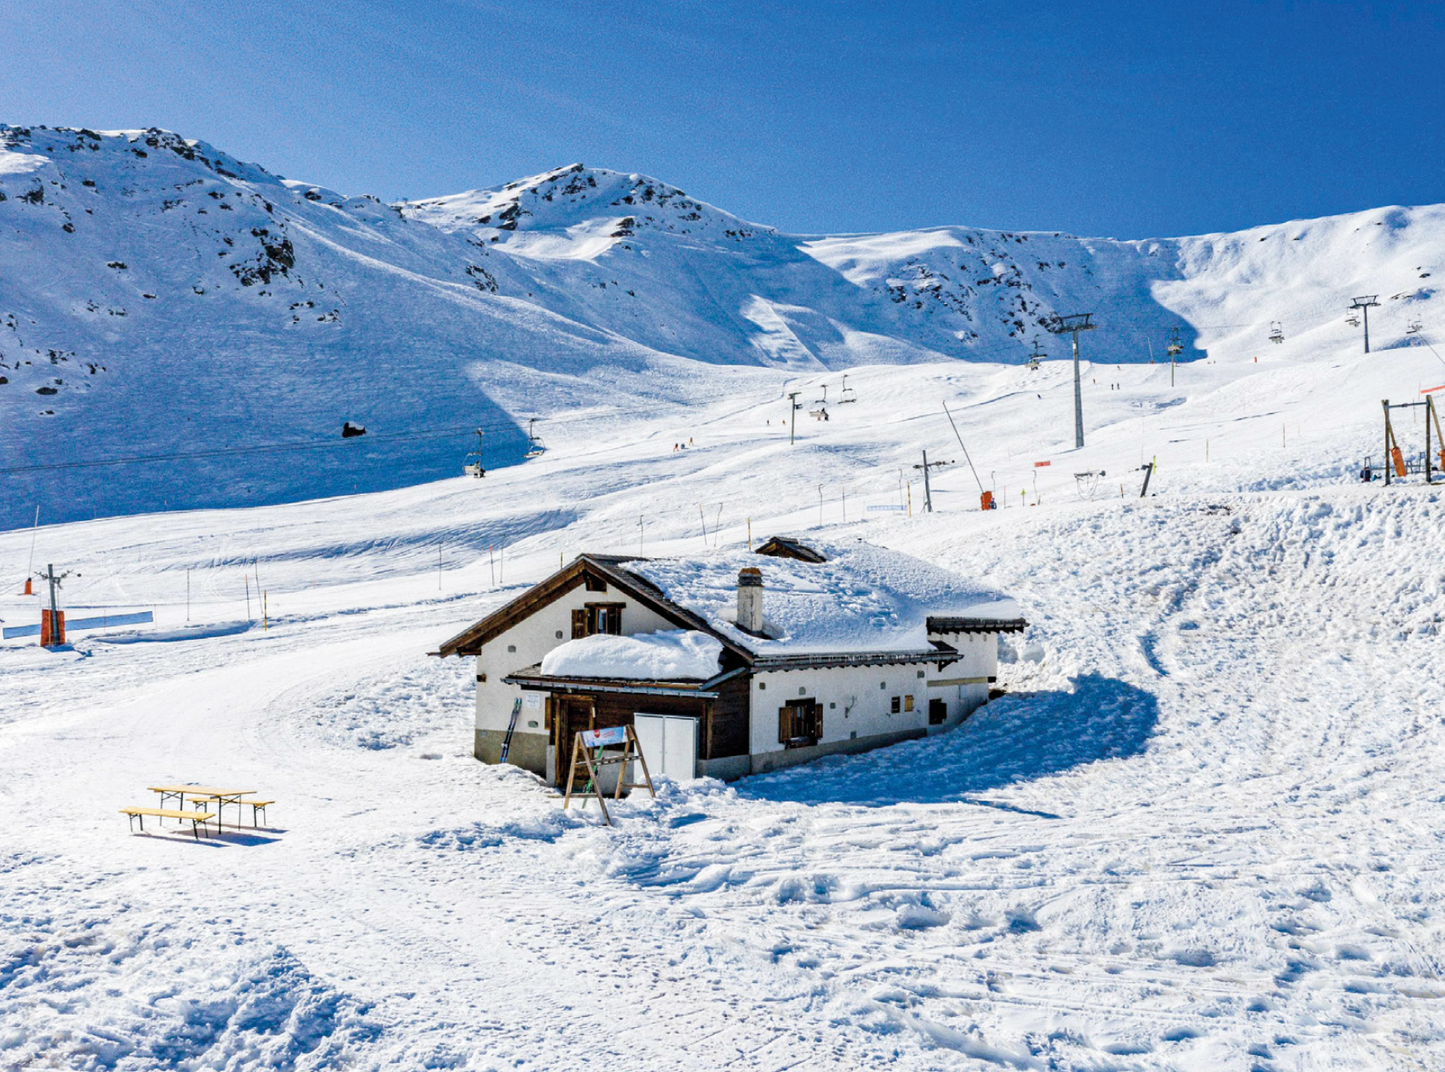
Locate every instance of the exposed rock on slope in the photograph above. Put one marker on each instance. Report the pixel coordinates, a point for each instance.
(159, 298)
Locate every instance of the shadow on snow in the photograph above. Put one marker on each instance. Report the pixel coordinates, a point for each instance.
(1017, 738)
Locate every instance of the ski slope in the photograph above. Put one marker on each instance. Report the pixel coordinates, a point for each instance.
(161, 300)
(1201, 832)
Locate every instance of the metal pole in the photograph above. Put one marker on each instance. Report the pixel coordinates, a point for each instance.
(1078, 398)
(927, 490)
(1389, 462)
(54, 607)
(1429, 405)
(793, 417)
(1367, 329)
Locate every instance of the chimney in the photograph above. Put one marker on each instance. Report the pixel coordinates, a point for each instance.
(750, 600)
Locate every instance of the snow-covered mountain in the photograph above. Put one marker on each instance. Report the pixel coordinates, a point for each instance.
(162, 300)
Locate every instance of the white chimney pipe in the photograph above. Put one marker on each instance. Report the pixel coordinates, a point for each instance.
(750, 600)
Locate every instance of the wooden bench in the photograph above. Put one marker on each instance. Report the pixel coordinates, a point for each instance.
(257, 806)
(196, 817)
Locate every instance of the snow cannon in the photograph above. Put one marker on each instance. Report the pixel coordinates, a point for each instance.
(986, 501)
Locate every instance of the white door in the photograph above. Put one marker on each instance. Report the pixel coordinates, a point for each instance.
(669, 744)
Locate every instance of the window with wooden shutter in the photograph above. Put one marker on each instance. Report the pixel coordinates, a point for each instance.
(937, 712)
(800, 723)
(579, 623)
(603, 618)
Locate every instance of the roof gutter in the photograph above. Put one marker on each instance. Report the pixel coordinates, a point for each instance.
(584, 684)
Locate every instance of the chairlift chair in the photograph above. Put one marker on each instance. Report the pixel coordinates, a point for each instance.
(848, 394)
(1276, 333)
(1352, 319)
(1414, 328)
(535, 447)
(473, 465)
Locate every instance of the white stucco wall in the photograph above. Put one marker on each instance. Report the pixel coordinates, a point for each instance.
(858, 701)
(529, 640)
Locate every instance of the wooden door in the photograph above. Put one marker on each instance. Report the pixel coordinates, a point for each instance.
(574, 714)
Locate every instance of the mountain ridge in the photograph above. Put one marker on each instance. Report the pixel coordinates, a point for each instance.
(160, 297)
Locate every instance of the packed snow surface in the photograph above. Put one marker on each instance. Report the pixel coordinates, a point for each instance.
(1202, 831)
(667, 655)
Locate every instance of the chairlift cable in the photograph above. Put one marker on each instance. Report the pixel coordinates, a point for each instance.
(963, 448)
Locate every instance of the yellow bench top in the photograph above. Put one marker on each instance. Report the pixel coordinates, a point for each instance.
(170, 813)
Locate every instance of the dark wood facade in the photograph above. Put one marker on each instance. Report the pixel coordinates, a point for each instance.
(722, 714)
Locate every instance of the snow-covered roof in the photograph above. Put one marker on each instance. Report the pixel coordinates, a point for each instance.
(668, 655)
(863, 598)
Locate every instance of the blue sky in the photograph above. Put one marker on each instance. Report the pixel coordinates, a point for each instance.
(1121, 119)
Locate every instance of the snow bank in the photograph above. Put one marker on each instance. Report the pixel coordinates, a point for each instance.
(672, 655)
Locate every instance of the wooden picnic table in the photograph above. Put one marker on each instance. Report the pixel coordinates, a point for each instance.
(205, 792)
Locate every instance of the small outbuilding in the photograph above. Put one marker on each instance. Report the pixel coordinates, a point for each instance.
(737, 662)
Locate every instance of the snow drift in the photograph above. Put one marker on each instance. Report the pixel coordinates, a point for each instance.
(667, 655)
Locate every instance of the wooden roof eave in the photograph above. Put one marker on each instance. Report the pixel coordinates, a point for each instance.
(947, 623)
(533, 678)
(943, 656)
(471, 639)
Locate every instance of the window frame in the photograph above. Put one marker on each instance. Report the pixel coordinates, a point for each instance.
(800, 723)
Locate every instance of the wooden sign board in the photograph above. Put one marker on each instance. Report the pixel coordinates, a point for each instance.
(590, 754)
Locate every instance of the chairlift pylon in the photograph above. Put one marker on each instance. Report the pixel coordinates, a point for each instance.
(535, 447)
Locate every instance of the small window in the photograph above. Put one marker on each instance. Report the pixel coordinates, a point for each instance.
(762, 685)
(883, 685)
(937, 712)
(559, 634)
(511, 649)
(800, 723)
(897, 704)
(920, 673)
(602, 618)
(595, 584)
(802, 691)
(908, 703)
(832, 706)
(597, 618)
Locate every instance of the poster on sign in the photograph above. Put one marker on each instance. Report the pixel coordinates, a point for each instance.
(588, 764)
(600, 738)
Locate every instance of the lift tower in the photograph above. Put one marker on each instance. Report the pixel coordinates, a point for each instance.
(1365, 304)
(1072, 324)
